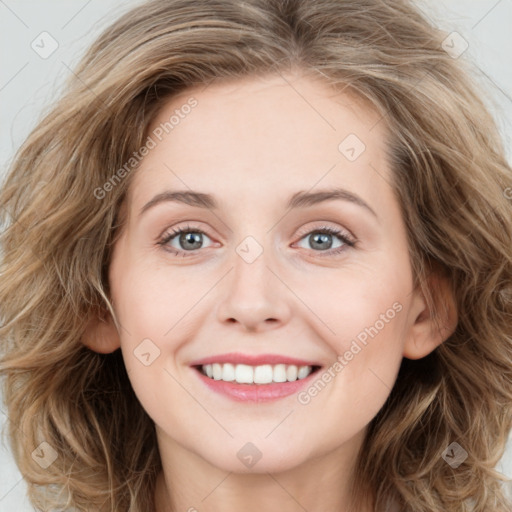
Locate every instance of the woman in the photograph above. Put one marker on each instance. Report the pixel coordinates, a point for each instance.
(261, 371)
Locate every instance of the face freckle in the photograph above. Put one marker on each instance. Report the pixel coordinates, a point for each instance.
(289, 175)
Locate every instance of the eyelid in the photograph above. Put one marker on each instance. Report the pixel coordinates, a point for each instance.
(348, 239)
(174, 231)
(307, 229)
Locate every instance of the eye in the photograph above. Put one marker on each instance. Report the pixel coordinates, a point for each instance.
(188, 239)
(321, 240)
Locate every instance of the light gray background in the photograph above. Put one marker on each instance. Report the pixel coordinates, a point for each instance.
(29, 84)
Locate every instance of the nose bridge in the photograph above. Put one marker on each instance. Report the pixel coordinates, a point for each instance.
(253, 294)
(251, 275)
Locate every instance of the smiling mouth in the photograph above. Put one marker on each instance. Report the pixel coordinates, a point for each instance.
(261, 374)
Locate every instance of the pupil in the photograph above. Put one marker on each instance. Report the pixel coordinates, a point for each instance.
(322, 239)
(191, 238)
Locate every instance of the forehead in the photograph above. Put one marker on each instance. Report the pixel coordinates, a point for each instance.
(263, 136)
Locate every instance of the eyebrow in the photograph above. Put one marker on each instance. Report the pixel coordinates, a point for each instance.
(301, 199)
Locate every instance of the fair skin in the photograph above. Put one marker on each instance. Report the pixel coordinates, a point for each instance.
(252, 144)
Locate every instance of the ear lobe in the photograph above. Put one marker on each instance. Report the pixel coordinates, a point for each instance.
(101, 334)
(429, 330)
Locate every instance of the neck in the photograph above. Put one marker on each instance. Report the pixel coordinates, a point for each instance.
(188, 483)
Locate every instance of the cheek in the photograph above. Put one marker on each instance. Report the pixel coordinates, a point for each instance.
(147, 309)
(368, 326)
(364, 320)
(150, 301)
(362, 305)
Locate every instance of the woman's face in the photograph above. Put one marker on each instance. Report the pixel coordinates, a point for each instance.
(295, 254)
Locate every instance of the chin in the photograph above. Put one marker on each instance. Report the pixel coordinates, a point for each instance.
(260, 456)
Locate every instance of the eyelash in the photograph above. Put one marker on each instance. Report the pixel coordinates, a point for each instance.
(344, 237)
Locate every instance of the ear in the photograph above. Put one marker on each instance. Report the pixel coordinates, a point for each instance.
(101, 334)
(428, 331)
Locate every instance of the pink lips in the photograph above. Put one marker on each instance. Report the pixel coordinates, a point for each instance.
(253, 392)
(253, 360)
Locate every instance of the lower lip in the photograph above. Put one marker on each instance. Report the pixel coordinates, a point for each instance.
(255, 392)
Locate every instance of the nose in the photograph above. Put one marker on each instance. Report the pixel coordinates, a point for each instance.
(253, 296)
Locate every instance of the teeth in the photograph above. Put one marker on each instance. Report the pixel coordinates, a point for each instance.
(303, 372)
(291, 373)
(217, 371)
(244, 374)
(228, 372)
(279, 373)
(263, 374)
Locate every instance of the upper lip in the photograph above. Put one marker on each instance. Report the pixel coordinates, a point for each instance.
(253, 360)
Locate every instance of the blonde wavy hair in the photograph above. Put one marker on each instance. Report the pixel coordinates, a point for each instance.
(450, 175)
